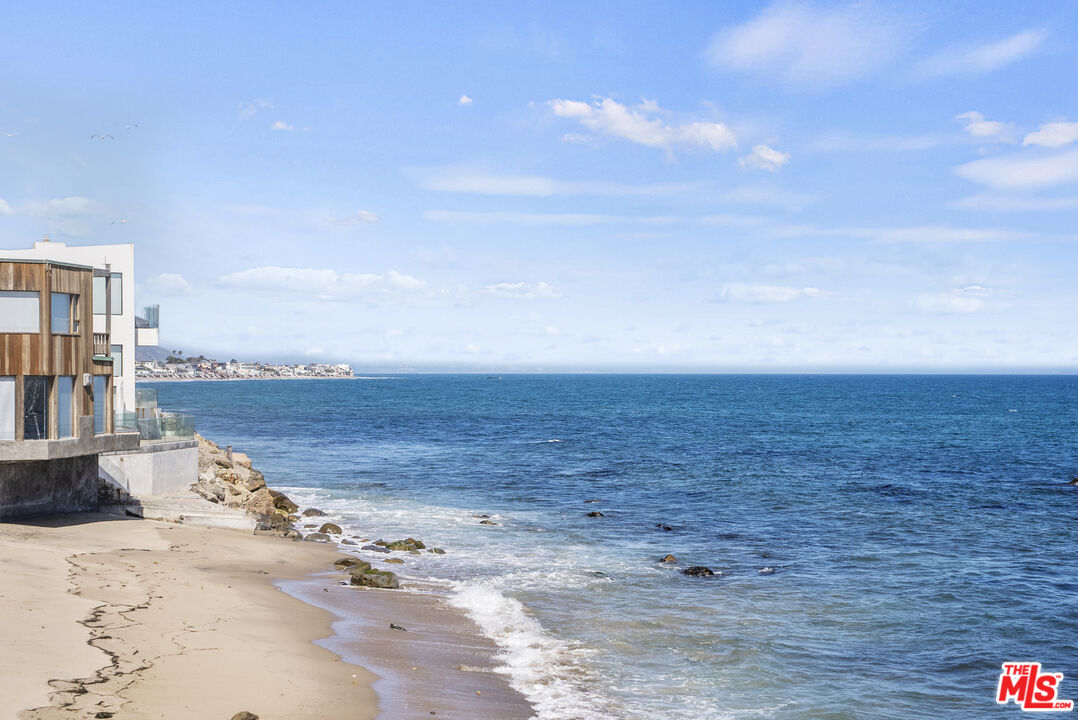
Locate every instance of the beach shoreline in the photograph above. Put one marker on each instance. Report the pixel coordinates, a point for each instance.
(142, 619)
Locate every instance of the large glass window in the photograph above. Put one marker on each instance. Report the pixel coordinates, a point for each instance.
(117, 360)
(35, 405)
(7, 408)
(65, 406)
(65, 313)
(20, 312)
(117, 295)
(100, 397)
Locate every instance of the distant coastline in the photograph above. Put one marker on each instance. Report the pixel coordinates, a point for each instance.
(202, 368)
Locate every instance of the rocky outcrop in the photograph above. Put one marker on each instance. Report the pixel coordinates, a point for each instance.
(698, 571)
(227, 478)
(375, 578)
(669, 559)
(406, 545)
(330, 529)
(313, 512)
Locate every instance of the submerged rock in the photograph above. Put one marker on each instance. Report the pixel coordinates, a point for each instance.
(698, 571)
(330, 529)
(346, 541)
(1073, 482)
(318, 537)
(437, 551)
(487, 522)
(669, 559)
(664, 527)
(595, 513)
(313, 512)
(375, 548)
(406, 545)
(376, 579)
(395, 561)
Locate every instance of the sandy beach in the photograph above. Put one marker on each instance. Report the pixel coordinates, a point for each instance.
(108, 616)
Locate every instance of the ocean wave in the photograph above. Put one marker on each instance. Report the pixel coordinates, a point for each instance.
(551, 673)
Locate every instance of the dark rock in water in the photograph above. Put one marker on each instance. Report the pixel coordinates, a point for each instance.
(698, 571)
(318, 537)
(383, 543)
(407, 545)
(376, 579)
(375, 548)
(669, 558)
(245, 716)
(480, 516)
(395, 561)
(437, 551)
(313, 512)
(346, 562)
(397, 627)
(417, 543)
(1073, 482)
(664, 527)
(360, 567)
(487, 522)
(310, 525)
(766, 571)
(595, 513)
(346, 541)
(330, 529)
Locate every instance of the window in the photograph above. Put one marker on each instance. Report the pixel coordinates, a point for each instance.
(35, 405)
(65, 313)
(20, 312)
(7, 408)
(65, 406)
(117, 295)
(117, 360)
(100, 396)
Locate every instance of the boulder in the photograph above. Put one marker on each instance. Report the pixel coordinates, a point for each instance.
(245, 716)
(346, 541)
(261, 502)
(487, 522)
(255, 481)
(318, 537)
(241, 459)
(293, 534)
(330, 529)
(281, 501)
(664, 527)
(375, 548)
(376, 579)
(668, 559)
(313, 512)
(222, 461)
(698, 571)
(359, 568)
(395, 561)
(403, 545)
(437, 551)
(346, 562)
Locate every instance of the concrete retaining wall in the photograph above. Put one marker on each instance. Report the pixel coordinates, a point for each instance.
(155, 469)
(48, 486)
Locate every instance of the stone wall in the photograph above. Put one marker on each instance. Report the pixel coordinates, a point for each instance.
(48, 486)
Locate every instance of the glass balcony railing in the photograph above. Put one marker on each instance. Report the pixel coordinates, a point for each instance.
(125, 422)
(167, 427)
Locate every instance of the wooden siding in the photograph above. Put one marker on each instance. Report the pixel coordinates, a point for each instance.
(49, 354)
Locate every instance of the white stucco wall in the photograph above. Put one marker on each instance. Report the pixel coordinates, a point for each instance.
(152, 470)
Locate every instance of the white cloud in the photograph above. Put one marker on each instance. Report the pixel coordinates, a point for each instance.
(985, 130)
(168, 284)
(1053, 135)
(324, 284)
(999, 202)
(71, 216)
(5, 209)
(957, 302)
(642, 126)
(282, 125)
(810, 47)
(250, 109)
(764, 157)
(454, 217)
(523, 291)
(464, 100)
(480, 183)
(755, 294)
(983, 58)
(1021, 171)
(362, 216)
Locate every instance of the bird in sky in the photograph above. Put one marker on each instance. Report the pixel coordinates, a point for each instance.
(7, 134)
(95, 136)
(127, 126)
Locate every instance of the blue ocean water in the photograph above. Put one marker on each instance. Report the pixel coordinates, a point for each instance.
(920, 528)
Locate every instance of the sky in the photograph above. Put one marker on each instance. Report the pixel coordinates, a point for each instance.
(690, 186)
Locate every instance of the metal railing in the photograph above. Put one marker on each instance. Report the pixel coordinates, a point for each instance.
(101, 345)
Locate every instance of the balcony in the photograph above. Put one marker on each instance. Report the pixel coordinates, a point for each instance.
(102, 348)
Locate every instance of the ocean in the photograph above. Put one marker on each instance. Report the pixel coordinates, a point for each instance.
(881, 544)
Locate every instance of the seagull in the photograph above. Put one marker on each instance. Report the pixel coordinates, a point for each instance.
(122, 222)
(95, 136)
(7, 134)
(127, 126)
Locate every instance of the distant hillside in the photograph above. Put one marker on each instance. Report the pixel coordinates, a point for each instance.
(147, 353)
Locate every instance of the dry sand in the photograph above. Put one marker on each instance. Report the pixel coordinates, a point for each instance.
(151, 620)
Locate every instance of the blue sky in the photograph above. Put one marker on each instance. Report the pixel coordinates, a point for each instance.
(677, 186)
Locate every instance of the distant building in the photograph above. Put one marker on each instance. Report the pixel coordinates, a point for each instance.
(56, 387)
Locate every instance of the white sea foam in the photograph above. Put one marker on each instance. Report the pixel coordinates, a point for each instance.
(550, 673)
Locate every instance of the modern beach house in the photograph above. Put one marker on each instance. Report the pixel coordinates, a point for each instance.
(56, 387)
